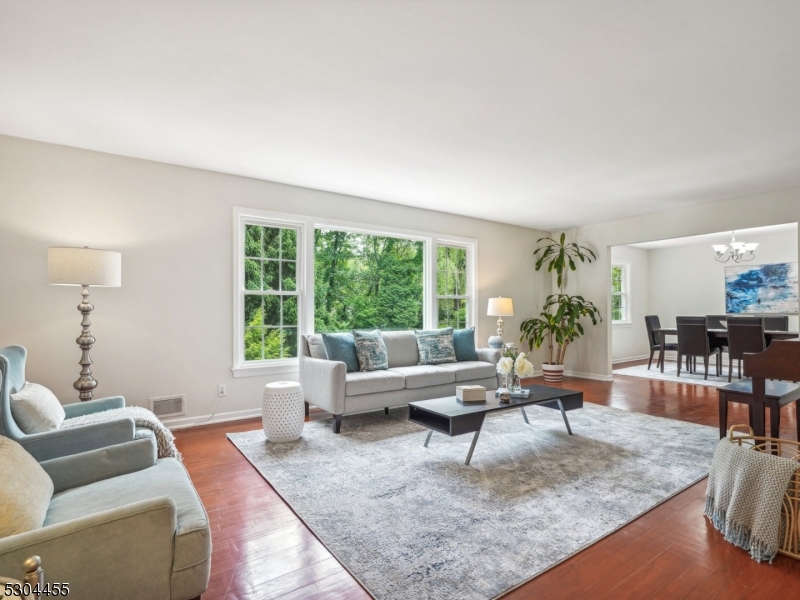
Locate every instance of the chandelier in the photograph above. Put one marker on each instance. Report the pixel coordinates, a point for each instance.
(735, 251)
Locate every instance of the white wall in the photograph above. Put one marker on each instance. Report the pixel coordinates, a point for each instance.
(629, 342)
(593, 354)
(167, 330)
(686, 280)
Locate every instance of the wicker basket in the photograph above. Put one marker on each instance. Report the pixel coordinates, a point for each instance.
(790, 511)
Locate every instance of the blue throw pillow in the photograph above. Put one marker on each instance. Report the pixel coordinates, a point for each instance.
(341, 347)
(464, 343)
(435, 346)
(371, 350)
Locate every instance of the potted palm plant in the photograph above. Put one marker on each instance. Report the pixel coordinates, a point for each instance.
(559, 322)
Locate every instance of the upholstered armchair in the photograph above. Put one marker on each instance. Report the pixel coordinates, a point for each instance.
(47, 445)
(111, 523)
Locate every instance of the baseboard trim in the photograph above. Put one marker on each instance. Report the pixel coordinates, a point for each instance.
(629, 359)
(236, 415)
(594, 376)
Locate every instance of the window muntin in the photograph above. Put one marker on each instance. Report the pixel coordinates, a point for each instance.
(619, 294)
(270, 296)
(363, 281)
(452, 287)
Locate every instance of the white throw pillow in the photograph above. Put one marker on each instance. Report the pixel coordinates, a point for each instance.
(25, 492)
(36, 409)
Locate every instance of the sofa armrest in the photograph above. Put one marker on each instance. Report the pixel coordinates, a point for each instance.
(127, 550)
(491, 355)
(63, 442)
(77, 470)
(78, 409)
(323, 383)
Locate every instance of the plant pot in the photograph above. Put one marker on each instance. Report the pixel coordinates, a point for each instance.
(553, 373)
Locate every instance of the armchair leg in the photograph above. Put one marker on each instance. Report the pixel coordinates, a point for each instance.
(337, 423)
(386, 410)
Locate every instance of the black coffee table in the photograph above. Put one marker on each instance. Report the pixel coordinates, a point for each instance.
(451, 417)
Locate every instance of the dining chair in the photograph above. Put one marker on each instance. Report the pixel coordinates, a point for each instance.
(693, 342)
(715, 321)
(745, 334)
(776, 323)
(653, 323)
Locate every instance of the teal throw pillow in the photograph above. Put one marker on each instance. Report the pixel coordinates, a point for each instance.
(435, 346)
(371, 350)
(464, 343)
(341, 347)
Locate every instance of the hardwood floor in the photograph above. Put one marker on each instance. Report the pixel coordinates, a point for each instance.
(262, 550)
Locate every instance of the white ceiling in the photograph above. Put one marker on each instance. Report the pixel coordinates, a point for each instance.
(723, 237)
(541, 113)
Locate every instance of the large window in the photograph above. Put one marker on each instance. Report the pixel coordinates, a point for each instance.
(295, 275)
(619, 294)
(363, 281)
(270, 296)
(452, 289)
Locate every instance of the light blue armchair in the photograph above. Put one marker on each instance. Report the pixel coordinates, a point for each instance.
(60, 442)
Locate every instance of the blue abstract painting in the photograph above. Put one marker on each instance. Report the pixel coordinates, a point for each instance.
(762, 289)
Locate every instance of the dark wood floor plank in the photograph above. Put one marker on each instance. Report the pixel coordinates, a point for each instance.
(263, 550)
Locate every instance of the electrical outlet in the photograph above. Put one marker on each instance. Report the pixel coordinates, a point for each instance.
(221, 391)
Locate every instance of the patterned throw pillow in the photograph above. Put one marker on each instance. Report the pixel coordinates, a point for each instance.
(36, 409)
(464, 342)
(371, 350)
(435, 346)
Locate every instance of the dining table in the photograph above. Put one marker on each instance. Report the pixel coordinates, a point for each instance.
(722, 334)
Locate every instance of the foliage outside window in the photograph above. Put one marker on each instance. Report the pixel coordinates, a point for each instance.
(362, 281)
(619, 294)
(451, 287)
(270, 293)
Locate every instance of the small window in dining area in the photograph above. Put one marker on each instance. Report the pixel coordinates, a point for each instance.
(619, 294)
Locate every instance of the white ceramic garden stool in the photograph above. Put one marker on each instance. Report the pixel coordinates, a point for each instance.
(283, 411)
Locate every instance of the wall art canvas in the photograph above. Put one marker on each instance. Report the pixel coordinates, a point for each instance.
(761, 289)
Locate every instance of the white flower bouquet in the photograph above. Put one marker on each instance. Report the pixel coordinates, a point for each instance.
(514, 366)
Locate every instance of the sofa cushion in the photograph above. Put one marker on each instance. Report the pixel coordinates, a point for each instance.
(425, 375)
(371, 350)
(464, 344)
(401, 346)
(341, 347)
(316, 346)
(435, 346)
(36, 409)
(166, 478)
(372, 382)
(470, 369)
(25, 490)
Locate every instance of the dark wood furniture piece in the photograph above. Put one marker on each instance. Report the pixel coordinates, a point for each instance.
(451, 417)
(653, 325)
(693, 342)
(745, 334)
(781, 360)
(777, 394)
(716, 321)
(776, 323)
(722, 334)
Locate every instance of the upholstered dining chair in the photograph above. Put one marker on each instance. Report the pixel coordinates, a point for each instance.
(776, 323)
(745, 334)
(652, 322)
(59, 442)
(693, 342)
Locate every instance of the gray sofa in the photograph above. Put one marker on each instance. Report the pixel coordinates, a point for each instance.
(328, 385)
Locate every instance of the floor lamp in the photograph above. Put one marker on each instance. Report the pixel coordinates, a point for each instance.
(84, 266)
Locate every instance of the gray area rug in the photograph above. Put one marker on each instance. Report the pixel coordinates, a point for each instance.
(415, 522)
(671, 374)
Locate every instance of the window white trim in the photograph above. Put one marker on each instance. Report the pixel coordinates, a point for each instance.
(305, 227)
(625, 294)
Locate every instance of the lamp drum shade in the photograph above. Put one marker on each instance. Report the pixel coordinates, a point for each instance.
(84, 266)
(500, 307)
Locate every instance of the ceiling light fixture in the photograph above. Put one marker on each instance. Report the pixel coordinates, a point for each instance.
(736, 251)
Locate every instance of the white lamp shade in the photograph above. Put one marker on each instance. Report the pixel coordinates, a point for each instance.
(84, 266)
(719, 248)
(500, 307)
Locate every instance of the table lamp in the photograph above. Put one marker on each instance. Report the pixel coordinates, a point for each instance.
(84, 266)
(499, 307)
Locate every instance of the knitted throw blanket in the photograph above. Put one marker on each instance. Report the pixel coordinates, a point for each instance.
(744, 496)
(141, 417)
